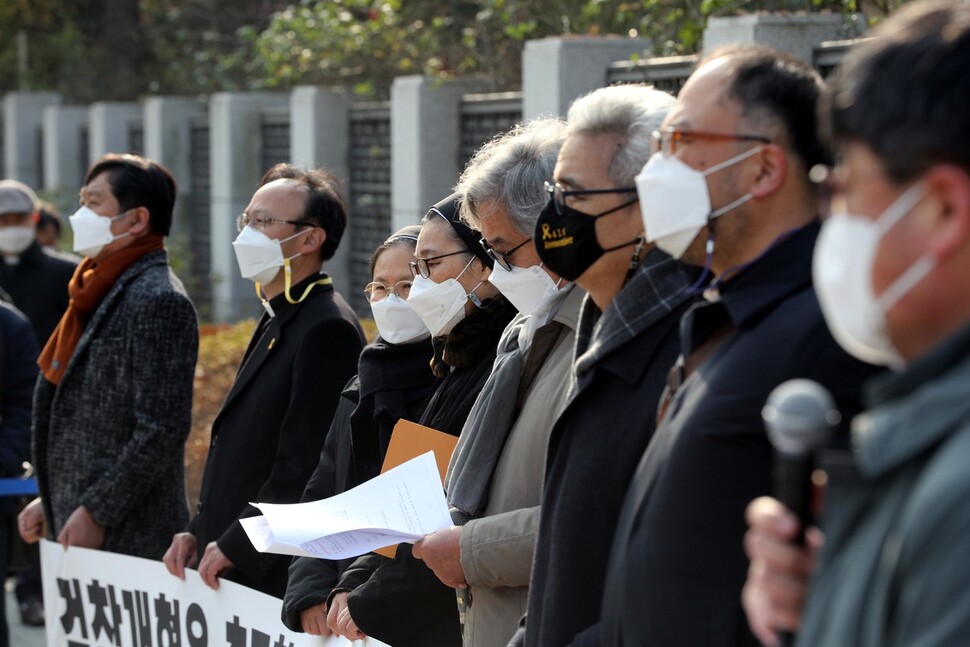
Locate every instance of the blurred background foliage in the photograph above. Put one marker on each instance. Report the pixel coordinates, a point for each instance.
(124, 49)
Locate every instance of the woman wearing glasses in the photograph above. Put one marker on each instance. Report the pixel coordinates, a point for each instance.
(393, 382)
(401, 601)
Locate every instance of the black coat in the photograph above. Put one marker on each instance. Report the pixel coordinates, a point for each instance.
(400, 601)
(266, 439)
(394, 382)
(38, 286)
(594, 448)
(18, 374)
(678, 563)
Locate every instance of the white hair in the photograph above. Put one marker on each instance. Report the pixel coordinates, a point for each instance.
(632, 111)
(509, 170)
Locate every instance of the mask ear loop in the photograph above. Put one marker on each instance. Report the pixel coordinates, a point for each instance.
(471, 294)
(474, 297)
(561, 282)
(700, 285)
(634, 260)
(288, 280)
(262, 299)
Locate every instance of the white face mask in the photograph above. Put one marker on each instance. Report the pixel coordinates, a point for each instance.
(92, 232)
(525, 287)
(260, 257)
(14, 240)
(440, 305)
(397, 322)
(675, 203)
(842, 274)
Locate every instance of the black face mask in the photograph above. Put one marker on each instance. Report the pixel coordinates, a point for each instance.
(567, 243)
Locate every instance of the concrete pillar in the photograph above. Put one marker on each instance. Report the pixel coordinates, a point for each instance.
(109, 123)
(556, 71)
(797, 34)
(63, 167)
(234, 140)
(425, 143)
(168, 126)
(23, 114)
(320, 138)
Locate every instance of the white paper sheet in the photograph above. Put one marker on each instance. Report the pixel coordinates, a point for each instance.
(401, 505)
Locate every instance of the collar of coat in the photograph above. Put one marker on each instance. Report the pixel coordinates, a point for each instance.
(916, 409)
(783, 270)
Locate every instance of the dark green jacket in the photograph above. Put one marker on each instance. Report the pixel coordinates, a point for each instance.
(894, 571)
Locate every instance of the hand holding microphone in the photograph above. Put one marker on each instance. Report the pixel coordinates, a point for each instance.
(799, 417)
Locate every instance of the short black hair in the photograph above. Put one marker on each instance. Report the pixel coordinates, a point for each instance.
(771, 85)
(48, 216)
(905, 93)
(137, 181)
(324, 204)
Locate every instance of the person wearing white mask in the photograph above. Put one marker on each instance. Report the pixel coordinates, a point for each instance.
(891, 268)
(266, 438)
(494, 482)
(34, 276)
(393, 382)
(732, 159)
(626, 339)
(113, 406)
(465, 315)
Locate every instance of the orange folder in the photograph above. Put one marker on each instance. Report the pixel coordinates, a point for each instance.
(410, 440)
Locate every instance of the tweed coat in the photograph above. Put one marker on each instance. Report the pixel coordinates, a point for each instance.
(110, 436)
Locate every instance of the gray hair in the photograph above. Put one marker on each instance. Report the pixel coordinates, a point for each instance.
(632, 111)
(510, 170)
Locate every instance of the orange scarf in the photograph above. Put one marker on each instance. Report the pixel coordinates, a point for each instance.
(90, 284)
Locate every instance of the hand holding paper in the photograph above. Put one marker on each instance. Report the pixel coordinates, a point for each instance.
(403, 504)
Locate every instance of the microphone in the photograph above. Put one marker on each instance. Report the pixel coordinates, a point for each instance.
(799, 416)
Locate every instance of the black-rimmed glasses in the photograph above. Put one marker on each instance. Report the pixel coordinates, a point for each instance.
(502, 258)
(259, 223)
(420, 265)
(666, 141)
(559, 194)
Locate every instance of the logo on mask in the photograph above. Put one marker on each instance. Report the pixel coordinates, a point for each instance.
(555, 237)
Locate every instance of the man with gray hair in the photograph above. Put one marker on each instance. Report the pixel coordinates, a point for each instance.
(494, 482)
(591, 232)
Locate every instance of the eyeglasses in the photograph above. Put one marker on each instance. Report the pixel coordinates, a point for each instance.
(244, 220)
(665, 141)
(420, 265)
(502, 258)
(559, 194)
(375, 291)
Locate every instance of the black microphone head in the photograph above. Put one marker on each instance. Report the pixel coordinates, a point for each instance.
(799, 417)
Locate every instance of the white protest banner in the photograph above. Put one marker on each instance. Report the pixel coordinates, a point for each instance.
(98, 599)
